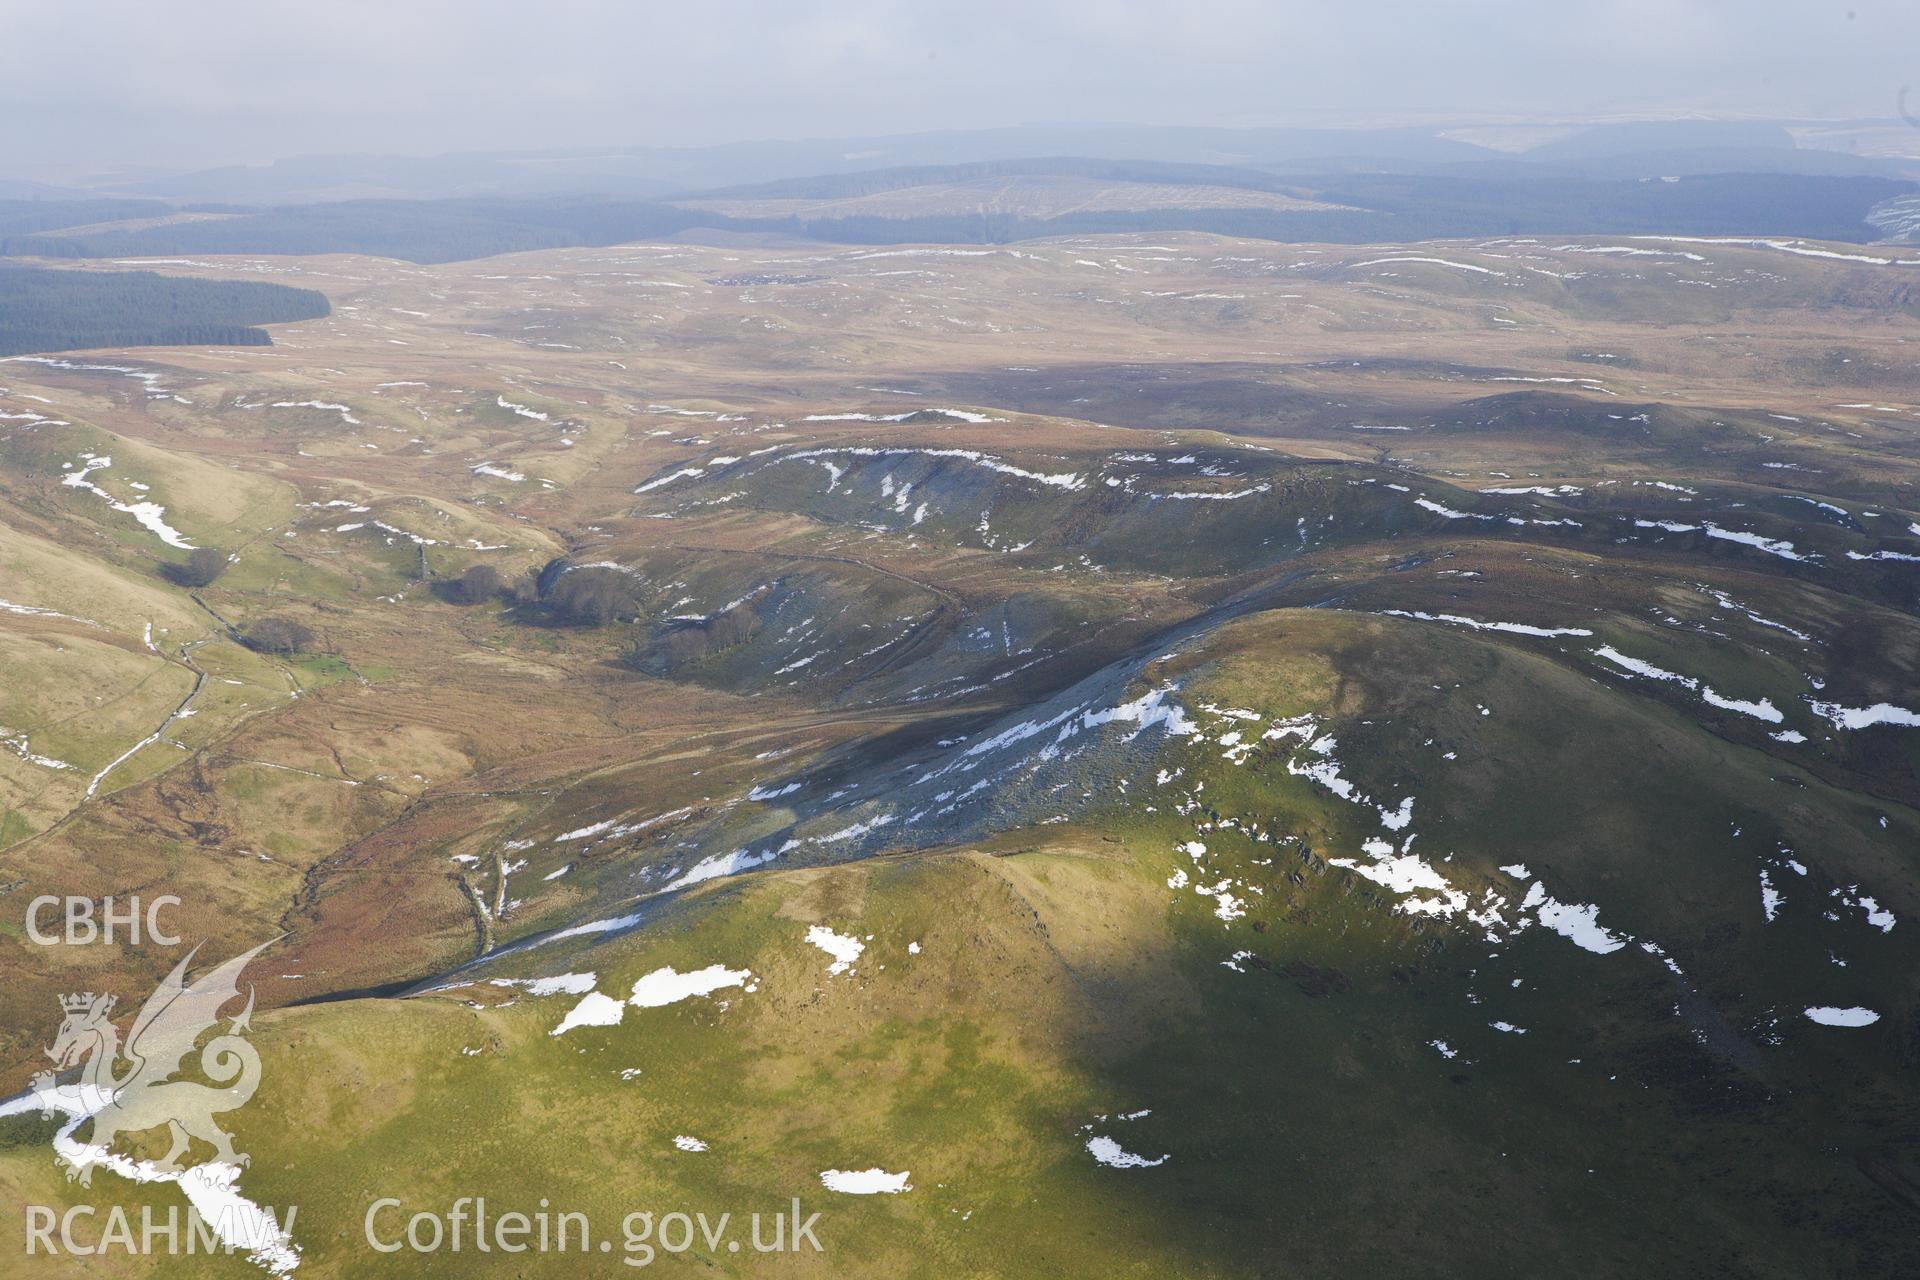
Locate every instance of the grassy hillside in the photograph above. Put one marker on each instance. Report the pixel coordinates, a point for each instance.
(1326, 1078)
(1152, 755)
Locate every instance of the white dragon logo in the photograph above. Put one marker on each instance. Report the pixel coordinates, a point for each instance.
(144, 1096)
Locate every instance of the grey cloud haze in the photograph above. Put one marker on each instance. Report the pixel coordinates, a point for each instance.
(92, 85)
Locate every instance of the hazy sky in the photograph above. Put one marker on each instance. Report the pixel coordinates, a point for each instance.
(91, 84)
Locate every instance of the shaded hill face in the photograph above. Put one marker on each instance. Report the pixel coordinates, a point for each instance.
(1184, 753)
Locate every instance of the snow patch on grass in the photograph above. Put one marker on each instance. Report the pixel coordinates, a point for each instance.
(664, 986)
(865, 1182)
(845, 950)
(1111, 1154)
